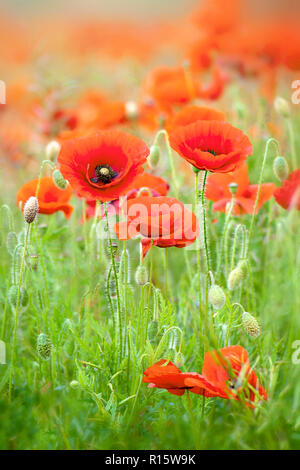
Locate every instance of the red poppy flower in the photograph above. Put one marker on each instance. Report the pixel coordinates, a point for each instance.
(215, 146)
(51, 198)
(190, 114)
(288, 195)
(102, 166)
(161, 220)
(214, 89)
(166, 375)
(143, 185)
(228, 370)
(170, 86)
(217, 190)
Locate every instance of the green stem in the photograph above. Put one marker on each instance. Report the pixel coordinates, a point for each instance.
(204, 222)
(17, 314)
(292, 143)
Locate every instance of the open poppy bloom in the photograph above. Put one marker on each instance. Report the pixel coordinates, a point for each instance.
(51, 198)
(166, 375)
(102, 166)
(143, 185)
(217, 190)
(214, 146)
(192, 113)
(162, 221)
(288, 195)
(228, 371)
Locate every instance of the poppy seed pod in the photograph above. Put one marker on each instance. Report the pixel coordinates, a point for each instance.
(233, 188)
(141, 275)
(216, 296)
(154, 156)
(280, 168)
(250, 325)
(31, 209)
(282, 107)
(59, 180)
(44, 346)
(52, 150)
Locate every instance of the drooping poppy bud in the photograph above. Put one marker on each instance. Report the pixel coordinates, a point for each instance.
(59, 180)
(154, 156)
(280, 168)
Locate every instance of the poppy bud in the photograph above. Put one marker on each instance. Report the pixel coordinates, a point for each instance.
(74, 384)
(154, 156)
(170, 353)
(31, 209)
(131, 110)
(250, 325)
(13, 297)
(153, 330)
(282, 107)
(11, 242)
(280, 168)
(179, 359)
(44, 346)
(216, 296)
(236, 276)
(114, 249)
(141, 275)
(59, 180)
(52, 150)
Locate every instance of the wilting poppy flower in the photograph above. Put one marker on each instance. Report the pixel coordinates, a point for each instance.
(190, 114)
(102, 166)
(288, 195)
(217, 190)
(161, 220)
(51, 198)
(166, 375)
(143, 185)
(228, 370)
(215, 146)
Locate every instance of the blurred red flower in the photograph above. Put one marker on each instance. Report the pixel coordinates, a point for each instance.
(288, 195)
(217, 190)
(102, 166)
(162, 221)
(215, 146)
(51, 198)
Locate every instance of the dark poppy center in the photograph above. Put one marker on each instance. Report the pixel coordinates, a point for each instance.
(212, 152)
(104, 173)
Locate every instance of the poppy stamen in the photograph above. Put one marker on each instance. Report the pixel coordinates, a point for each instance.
(104, 174)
